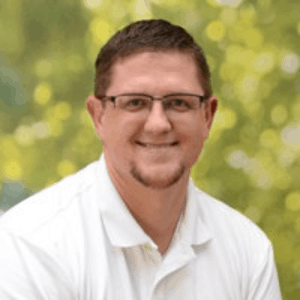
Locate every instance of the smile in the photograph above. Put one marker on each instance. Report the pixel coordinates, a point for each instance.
(147, 145)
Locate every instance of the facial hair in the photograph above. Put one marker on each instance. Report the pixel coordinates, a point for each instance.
(156, 184)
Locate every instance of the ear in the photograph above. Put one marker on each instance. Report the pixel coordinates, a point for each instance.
(211, 106)
(96, 111)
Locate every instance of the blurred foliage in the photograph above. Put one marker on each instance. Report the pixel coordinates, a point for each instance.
(252, 159)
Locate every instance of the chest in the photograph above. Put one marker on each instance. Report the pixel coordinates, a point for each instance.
(140, 274)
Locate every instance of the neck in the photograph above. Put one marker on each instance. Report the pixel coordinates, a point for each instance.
(157, 211)
(158, 214)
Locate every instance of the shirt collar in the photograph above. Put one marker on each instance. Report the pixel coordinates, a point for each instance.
(192, 229)
(124, 231)
(121, 227)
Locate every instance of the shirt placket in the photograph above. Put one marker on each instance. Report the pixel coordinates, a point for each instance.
(178, 258)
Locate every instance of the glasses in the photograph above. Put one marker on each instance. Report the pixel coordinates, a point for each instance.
(141, 103)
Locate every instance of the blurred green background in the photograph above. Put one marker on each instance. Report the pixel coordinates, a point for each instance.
(252, 159)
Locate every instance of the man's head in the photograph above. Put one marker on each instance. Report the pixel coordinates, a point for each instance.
(145, 36)
(154, 137)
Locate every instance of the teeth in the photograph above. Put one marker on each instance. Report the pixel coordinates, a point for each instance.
(157, 146)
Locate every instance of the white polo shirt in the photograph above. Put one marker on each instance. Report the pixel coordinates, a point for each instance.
(77, 240)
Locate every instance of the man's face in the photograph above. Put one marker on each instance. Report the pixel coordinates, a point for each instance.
(155, 151)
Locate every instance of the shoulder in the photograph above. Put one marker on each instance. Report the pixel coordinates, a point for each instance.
(52, 231)
(49, 205)
(237, 242)
(229, 225)
(238, 250)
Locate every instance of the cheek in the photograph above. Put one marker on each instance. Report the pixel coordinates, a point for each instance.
(191, 134)
(121, 134)
(195, 141)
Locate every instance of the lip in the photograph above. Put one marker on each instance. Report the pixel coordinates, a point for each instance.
(153, 145)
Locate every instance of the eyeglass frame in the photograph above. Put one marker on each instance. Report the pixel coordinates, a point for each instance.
(113, 98)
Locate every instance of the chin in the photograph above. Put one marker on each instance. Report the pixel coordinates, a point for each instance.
(158, 179)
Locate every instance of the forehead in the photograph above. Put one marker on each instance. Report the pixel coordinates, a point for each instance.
(171, 70)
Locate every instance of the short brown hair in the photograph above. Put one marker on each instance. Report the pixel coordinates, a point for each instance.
(148, 35)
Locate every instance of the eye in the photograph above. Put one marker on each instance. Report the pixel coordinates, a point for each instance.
(134, 103)
(137, 102)
(178, 104)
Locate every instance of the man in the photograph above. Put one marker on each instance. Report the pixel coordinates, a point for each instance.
(133, 225)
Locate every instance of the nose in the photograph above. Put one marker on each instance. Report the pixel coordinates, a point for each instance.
(157, 120)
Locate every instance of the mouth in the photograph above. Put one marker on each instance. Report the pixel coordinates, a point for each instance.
(150, 145)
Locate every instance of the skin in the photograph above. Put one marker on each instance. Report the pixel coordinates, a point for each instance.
(150, 174)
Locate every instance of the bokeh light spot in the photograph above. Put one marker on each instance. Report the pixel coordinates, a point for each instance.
(290, 63)
(62, 110)
(279, 114)
(24, 135)
(238, 160)
(248, 14)
(215, 30)
(65, 167)
(226, 118)
(228, 16)
(230, 3)
(92, 3)
(43, 68)
(238, 55)
(233, 52)
(191, 19)
(167, 2)
(141, 10)
(9, 148)
(42, 93)
(55, 127)
(249, 84)
(12, 169)
(228, 91)
(269, 138)
(253, 38)
(286, 157)
(258, 175)
(213, 3)
(41, 130)
(290, 135)
(264, 63)
(101, 30)
(292, 201)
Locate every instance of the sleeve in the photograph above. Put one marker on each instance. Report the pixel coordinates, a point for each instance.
(264, 283)
(29, 273)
